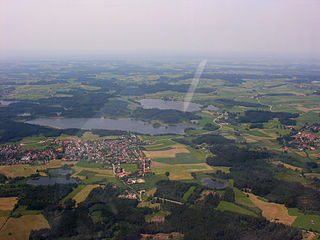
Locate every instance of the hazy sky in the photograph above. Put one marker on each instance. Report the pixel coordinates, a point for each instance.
(160, 26)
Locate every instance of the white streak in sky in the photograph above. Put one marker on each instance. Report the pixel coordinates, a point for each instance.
(194, 84)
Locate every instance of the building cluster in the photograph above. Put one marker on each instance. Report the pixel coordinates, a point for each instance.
(306, 141)
(15, 154)
(313, 128)
(111, 153)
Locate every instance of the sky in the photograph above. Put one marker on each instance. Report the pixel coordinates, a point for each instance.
(160, 27)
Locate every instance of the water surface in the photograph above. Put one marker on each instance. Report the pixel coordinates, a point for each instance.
(50, 181)
(212, 108)
(60, 171)
(6, 103)
(109, 124)
(208, 182)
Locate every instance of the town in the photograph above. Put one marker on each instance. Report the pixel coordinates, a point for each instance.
(110, 153)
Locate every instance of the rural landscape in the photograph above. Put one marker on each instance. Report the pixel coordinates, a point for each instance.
(159, 120)
(111, 150)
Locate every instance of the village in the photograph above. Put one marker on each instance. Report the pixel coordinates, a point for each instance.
(306, 141)
(110, 153)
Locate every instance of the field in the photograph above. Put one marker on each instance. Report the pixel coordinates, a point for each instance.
(188, 193)
(27, 170)
(7, 203)
(86, 164)
(20, 228)
(274, 212)
(165, 151)
(228, 206)
(130, 167)
(83, 193)
(304, 221)
(180, 171)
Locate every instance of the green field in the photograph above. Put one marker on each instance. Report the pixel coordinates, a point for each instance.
(74, 192)
(304, 221)
(86, 164)
(188, 193)
(195, 156)
(228, 206)
(130, 167)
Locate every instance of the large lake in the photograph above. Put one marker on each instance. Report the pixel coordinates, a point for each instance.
(175, 105)
(50, 181)
(108, 124)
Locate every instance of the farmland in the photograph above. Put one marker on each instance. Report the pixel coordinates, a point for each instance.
(254, 135)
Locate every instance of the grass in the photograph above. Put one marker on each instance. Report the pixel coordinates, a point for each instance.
(24, 211)
(149, 204)
(20, 228)
(86, 164)
(4, 213)
(74, 192)
(86, 173)
(195, 156)
(130, 167)
(304, 221)
(83, 193)
(188, 193)
(180, 171)
(150, 182)
(228, 206)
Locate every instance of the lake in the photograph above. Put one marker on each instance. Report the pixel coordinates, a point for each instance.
(6, 103)
(60, 171)
(109, 124)
(50, 181)
(208, 182)
(175, 105)
(212, 108)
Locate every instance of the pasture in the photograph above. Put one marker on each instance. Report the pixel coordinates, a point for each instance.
(180, 171)
(232, 207)
(83, 193)
(305, 221)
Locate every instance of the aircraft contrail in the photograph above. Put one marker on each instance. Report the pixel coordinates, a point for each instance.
(194, 84)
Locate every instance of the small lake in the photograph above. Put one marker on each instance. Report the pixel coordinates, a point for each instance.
(212, 108)
(109, 124)
(50, 181)
(175, 105)
(6, 103)
(60, 171)
(208, 182)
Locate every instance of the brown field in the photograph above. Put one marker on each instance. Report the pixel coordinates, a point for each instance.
(304, 109)
(27, 170)
(21, 227)
(83, 194)
(274, 212)
(178, 148)
(7, 203)
(294, 168)
(2, 220)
